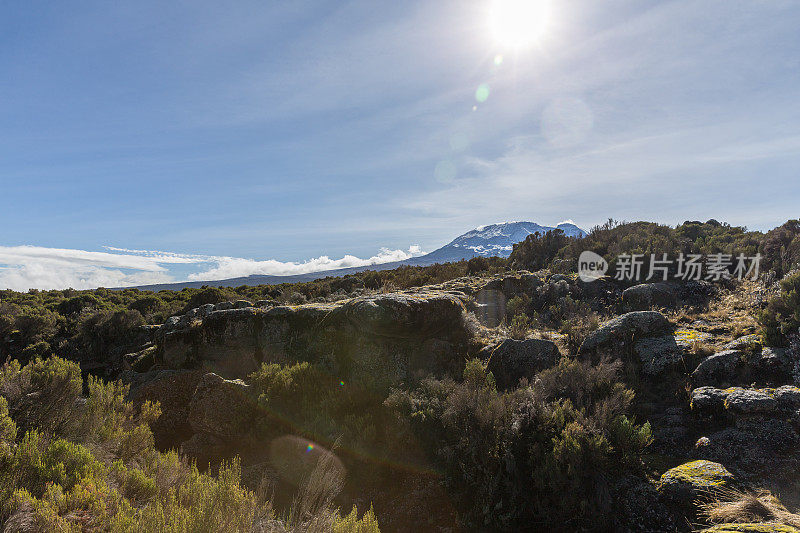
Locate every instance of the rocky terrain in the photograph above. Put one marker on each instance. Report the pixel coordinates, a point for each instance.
(475, 396)
(723, 409)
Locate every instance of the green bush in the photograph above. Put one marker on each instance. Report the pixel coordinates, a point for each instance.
(543, 454)
(781, 318)
(100, 472)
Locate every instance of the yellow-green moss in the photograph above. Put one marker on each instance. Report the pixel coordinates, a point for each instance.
(761, 527)
(700, 474)
(691, 335)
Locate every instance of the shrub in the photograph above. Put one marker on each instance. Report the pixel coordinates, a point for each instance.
(543, 454)
(42, 394)
(537, 251)
(781, 318)
(38, 349)
(519, 327)
(781, 248)
(101, 472)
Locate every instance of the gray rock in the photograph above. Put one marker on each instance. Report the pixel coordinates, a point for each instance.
(222, 408)
(205, 449)
(242, 304)
(206, 309)
(788, 397)
(659, 355)
(748, 342)
(719, 368)
(708, 400)
(623, 329)
(683, 485)
(646, 335)
(512, 360)
(756, 448)
(751, 401)
(698, 476)
(649, 295)
(224, 306)
(775, 364)
(173, 390)
(378, 341)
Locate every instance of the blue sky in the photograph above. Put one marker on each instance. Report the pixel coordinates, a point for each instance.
(229, 134)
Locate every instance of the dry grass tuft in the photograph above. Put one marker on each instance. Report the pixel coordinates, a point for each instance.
(734, 506)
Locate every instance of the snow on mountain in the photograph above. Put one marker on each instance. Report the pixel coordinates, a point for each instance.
(491, 240)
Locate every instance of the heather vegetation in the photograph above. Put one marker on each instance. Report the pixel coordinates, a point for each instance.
(74, 461)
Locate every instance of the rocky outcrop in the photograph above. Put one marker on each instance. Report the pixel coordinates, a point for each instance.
(666, 295)
(512, 360)
(680, 487)
(388, 337)
(627, 328)
(779, 402)
(649, 296)
(642, 337)
(752, 431)
(746, 363)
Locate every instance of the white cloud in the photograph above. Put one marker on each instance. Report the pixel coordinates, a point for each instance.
(233, 267)
(26, 267)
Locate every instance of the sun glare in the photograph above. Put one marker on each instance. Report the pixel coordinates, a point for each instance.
(518, 23)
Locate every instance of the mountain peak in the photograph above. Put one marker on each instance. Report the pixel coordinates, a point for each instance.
(491, 240)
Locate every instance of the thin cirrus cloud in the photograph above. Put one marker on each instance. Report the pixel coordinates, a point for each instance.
(36, 267)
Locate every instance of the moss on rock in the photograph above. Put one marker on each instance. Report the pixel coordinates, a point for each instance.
(758, 527)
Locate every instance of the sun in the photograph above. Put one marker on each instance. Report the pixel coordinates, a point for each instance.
(518, 23)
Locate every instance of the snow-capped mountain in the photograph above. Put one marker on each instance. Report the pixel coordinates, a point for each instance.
(491, 240)
(495, 239)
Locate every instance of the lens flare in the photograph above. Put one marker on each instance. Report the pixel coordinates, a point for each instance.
(518, 23)
(482, 93)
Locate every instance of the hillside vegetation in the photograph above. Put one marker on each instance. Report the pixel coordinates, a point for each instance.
(483, 395)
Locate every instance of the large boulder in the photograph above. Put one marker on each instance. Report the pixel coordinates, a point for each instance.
(650, 295)
(223, 342)
(696, 477)
(681, 486)
(645, 335)
(624, 330)
(744, 364)
(173, 390)
(205, 449)
(223, 408)
(775, 365)
(512, 360)
(736, 402)
(755, 448)
(720, 368)
(748, 342)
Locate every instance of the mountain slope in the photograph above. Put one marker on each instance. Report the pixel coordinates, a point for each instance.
(491, 240)
(486, 241)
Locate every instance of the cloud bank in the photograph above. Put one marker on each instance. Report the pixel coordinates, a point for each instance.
(36, 267)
